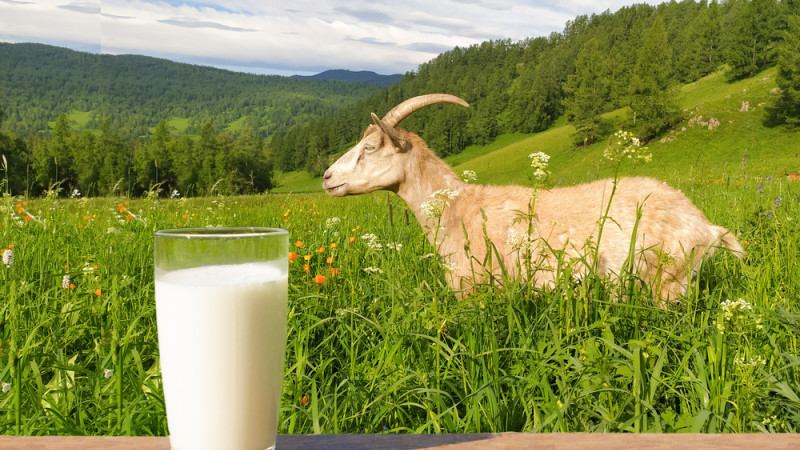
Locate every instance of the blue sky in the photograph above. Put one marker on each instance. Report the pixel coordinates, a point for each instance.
(287, 37)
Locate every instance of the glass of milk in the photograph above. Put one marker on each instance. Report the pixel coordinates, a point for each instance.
(221, 305)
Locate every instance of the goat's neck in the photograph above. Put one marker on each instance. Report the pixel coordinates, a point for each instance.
(425, 175)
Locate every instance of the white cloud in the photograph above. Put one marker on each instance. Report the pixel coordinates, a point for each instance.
(275, 36)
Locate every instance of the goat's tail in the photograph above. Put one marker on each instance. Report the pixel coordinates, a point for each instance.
(728, 240)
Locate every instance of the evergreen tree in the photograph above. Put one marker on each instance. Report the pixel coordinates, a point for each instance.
(755, 29)
(587, 92)
(652, 99)
(787, 107)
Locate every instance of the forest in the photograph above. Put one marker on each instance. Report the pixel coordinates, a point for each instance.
(634, 58)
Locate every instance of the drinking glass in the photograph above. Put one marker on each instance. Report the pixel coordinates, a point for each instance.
(221, 305)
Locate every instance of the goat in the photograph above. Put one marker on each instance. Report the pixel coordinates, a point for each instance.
(672, 235)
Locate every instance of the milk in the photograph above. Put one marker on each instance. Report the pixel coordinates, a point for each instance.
(222, 333)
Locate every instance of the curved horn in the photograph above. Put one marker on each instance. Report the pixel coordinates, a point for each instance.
(403, 110)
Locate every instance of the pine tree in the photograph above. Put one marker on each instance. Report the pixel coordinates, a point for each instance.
(753, 37)
(651, 97)
(787, 108)
(587, 91)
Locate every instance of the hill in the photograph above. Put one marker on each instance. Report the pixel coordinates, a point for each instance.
(739, 143)
(39, 82)
(363, 76)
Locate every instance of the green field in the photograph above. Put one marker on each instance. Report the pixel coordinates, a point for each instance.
(391, 349)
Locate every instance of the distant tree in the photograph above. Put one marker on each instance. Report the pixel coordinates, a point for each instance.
(787, 107)
(587, 91)
(754, 31)
(13, 162)
(651, 95)
(701, 49)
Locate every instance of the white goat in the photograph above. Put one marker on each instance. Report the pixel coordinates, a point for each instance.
(672, 235)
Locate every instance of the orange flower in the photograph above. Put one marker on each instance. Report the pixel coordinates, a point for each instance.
(334, 271)
(319, 279)
(305, 400)
(334, 245)
(298, 244)
(746, 242)
(20, 211)
(329, 260)
(122, 210)
(72, 286)
(352, 239)
(19, 205)
(126, 202)
(321, 250)
(292, 256)
(129, 217)
(185, 216)
(119, 205)
(27, 218)
(25, 203)
(11, 246)
(85, 217)
(98, 292)
(306, 269)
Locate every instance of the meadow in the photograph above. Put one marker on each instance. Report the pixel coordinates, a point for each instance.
(378, 343)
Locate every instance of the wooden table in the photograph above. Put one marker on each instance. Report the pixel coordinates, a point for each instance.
(499, 441)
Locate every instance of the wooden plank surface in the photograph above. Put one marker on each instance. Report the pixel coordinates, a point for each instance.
(502, 441)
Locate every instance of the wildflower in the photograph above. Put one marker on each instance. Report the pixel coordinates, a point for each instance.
(6, 387)
(319, 279)
(334, 271)
(760, 188)
(626, 147)
(539, 163)
(175, 194)
(332, 222)
(108, 373)
(394, 246)
(469, 176)
(372, 270)
(372, 241)
(777, 202)
(334, 245)
(298, 244)
(306, 268)
(730, 308)
(85, 217)
(75, 194)
(438, 202)
(292, 256)
(352, 239)
(308, 257)
(321, 250)
(65, 282)
(28, 218)
(72, 286)
(128, 217)
(98, 292)
(8, 257)
(305, 400)
(329, 260)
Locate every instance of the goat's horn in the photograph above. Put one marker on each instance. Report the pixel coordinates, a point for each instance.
(403, 110)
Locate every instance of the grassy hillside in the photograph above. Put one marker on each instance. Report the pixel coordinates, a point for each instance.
(740, 143)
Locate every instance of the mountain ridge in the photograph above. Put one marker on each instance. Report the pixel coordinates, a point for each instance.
(364, 76)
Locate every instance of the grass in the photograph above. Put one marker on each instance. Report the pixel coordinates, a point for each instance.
(391, 349)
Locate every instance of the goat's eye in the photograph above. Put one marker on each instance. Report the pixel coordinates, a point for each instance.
(369, 148)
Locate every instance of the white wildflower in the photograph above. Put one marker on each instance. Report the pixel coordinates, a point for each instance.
(175, 194)
(730, 308)
(372, 270)
(333, 221)
(624, 145)
(426, 256)
(394, 246)
(8, 257)
(450, 266)
(108, 373)
(75, 194)
(469, 176)
(438, 202)
(6, 387)
(372, 241)
(65, 282)
(539, 162)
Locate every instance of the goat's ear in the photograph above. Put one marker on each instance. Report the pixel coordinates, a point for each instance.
(398, 140)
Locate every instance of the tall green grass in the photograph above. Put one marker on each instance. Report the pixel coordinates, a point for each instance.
(383, 345)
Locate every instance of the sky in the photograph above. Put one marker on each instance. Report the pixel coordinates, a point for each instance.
(286, 37)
